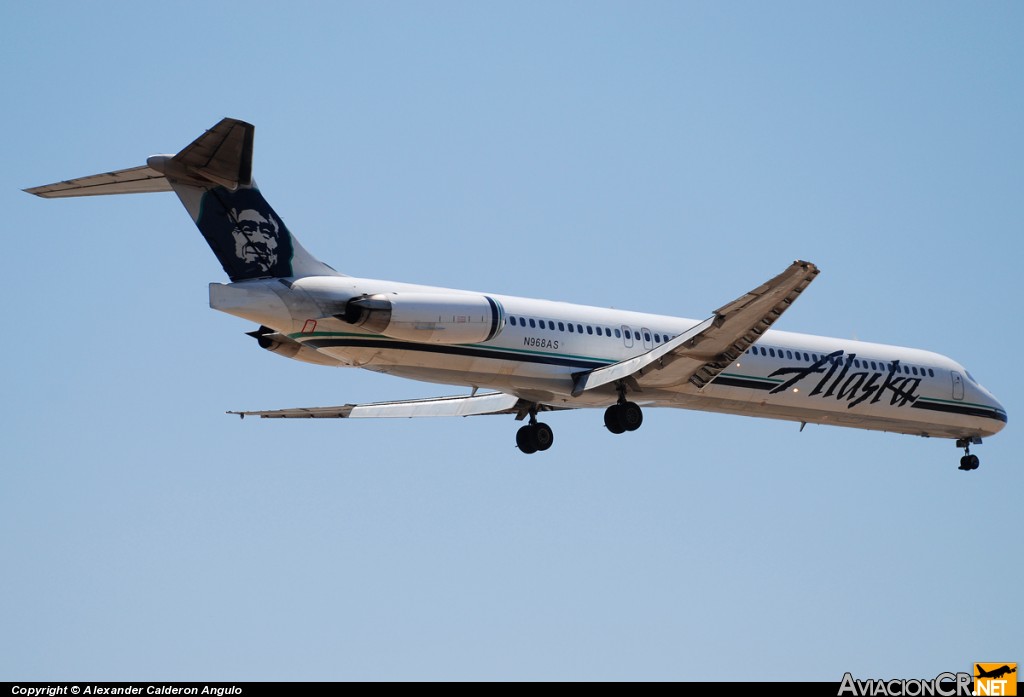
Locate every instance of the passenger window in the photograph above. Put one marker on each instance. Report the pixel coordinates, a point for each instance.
(561, 327)
(914, 370)
(789, 354)
(771, 352)
(657, 338)
(618, 334)
(590, 330)
(647, 337)
(532, 324)
(579, 328)
(931, 373)
(571, 330)
(512, 321)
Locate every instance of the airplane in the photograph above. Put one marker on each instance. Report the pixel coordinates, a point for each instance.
(995, 673)
(531, 356)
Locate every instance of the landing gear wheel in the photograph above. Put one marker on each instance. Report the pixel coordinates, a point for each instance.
(613, 419)
(622, 417)
(543, 436)
(631, 415)
(526, 439)
(534, 437)
(968, 462)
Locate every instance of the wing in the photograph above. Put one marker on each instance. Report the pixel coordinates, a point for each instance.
(701, 353)
(491, 403)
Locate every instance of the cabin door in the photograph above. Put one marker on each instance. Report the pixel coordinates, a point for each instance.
(958, 385)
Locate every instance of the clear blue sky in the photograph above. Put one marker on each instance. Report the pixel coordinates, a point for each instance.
(659, 156)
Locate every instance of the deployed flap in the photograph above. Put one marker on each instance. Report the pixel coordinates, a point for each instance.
(137, 180)
(491, 403)
(701, 353)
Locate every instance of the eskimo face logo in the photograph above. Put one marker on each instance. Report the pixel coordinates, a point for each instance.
(250, 241)
(256, 237)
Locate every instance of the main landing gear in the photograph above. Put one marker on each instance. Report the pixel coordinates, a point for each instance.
(534, 436)
(968, 462)
(618, 418)
(623, 416)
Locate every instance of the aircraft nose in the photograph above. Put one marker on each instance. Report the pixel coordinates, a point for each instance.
(1002, 410)
(998, 412)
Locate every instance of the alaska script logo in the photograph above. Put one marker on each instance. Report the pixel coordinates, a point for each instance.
(852, 387)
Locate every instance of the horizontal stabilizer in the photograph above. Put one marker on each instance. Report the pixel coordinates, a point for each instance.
(212, 177)
(137, 180)
(222, 156)
(491, 403)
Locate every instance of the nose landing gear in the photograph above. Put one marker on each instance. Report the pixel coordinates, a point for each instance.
(968, 462)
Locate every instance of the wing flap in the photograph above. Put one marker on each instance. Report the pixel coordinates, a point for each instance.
(475, 405)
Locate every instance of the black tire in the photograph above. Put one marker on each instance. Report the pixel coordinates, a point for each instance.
(973, 462)
(543, 436)
(526, 439)
(632, 416)
(613, 419)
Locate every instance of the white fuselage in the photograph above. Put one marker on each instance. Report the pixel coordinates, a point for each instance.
(537, 345)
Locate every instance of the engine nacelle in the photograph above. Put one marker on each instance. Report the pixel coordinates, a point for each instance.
(289, 348)
(431, 318)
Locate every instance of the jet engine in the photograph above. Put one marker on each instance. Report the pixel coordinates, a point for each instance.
(280, 344)
(432, 318)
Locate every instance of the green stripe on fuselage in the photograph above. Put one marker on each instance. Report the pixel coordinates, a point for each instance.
(308, 335)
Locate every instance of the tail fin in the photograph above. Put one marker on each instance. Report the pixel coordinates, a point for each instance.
(213, 178)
